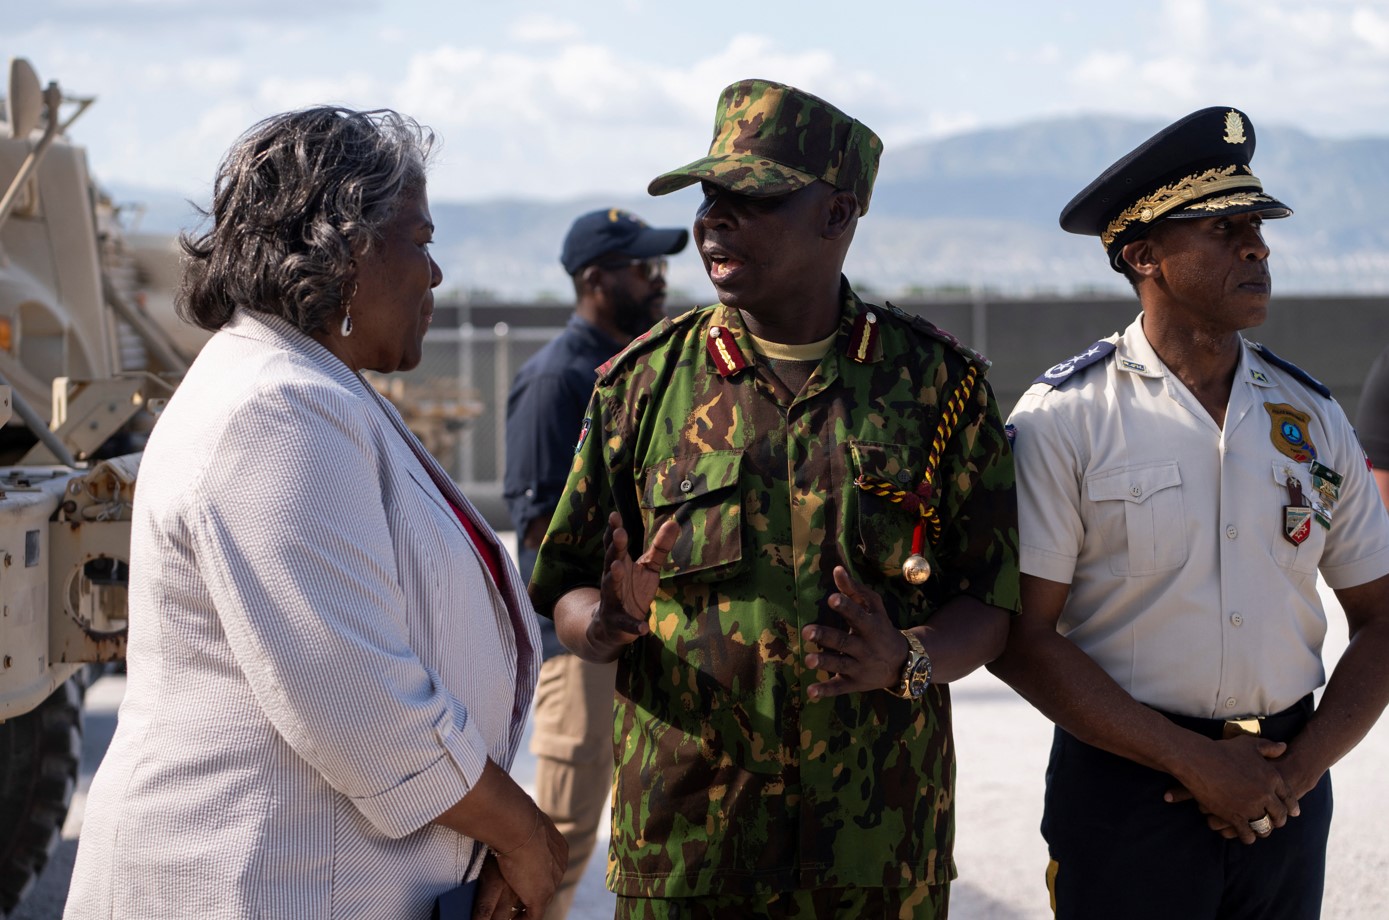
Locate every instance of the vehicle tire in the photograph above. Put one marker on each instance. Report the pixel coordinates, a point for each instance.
(39, 756)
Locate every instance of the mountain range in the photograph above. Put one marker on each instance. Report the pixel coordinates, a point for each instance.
(972, 212)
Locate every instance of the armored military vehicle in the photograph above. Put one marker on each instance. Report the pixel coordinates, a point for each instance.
(82, 369)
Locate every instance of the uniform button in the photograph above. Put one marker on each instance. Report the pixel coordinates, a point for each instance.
(1232, 531)
(906, 475)
(714, 332)
(1135, 490)
(1230, 703)
(1236, 619)
(686, 485)
(870, 318)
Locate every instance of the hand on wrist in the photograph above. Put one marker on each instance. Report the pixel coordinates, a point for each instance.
(534, 827)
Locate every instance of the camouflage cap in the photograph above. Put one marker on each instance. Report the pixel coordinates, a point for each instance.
(771, 139)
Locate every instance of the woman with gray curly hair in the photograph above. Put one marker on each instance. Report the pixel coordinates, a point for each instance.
(331, 658)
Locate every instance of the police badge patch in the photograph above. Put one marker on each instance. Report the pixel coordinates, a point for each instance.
(1288, 432)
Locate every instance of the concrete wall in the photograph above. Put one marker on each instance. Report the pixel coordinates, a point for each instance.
(1333, 338)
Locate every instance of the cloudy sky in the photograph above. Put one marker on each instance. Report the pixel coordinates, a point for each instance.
(551, 99)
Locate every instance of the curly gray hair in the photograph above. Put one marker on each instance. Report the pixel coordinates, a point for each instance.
(296, 197)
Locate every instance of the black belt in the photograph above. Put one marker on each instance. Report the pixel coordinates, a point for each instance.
(1281, 726)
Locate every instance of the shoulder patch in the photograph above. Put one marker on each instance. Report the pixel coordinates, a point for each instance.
(1058, 374)
(1291, 368)
(921, 324)
(644, 342)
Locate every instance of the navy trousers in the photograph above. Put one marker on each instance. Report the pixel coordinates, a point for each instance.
(1119, 851)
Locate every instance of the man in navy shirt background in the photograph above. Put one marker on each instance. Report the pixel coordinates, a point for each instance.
(617, 264)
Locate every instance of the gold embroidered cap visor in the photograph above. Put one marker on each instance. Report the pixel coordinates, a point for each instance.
(773, 139)
(1196, 167)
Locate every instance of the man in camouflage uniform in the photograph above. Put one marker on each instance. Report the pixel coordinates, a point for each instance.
(782, 726)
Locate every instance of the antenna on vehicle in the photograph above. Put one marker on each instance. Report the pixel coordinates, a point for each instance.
(24, 104)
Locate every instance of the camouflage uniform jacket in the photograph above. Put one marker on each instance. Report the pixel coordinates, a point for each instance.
(728, 776)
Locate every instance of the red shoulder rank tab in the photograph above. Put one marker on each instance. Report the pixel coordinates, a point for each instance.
(863, 340)
(724, 350)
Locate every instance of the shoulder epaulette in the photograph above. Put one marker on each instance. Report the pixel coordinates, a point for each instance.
(1291, 368)
(643, 343)
(921, 324)
(1058, 374)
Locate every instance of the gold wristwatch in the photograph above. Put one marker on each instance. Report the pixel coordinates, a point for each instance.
(916, 673)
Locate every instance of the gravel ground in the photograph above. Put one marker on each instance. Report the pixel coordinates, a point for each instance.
(1002, 744)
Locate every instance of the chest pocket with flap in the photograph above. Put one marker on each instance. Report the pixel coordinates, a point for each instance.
(1139, 517)
(700, 492)
(885, 527)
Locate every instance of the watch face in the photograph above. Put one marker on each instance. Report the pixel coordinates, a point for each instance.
(919, 678)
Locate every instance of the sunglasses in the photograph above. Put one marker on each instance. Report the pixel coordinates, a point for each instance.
(650, 269)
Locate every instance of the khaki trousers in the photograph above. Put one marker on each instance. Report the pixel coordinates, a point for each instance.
(573, 744)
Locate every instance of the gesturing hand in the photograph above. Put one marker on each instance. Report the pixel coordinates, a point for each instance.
(869, 656)
(628, 586)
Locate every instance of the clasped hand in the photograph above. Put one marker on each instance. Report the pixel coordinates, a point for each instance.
(1235, 781)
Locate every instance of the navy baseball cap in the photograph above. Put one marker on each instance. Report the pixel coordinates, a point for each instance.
(616, 232)
(1195, 167)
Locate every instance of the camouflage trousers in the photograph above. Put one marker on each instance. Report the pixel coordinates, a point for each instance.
(924, 902)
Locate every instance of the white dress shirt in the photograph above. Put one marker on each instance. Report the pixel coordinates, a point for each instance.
(319, 663)
(1169, 528)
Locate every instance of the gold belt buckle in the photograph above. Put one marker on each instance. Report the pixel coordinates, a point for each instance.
(1236, 727)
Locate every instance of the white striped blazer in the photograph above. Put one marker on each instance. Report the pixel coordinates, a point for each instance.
(318, 662)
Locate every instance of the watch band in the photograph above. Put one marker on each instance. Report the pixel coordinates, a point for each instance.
(916, 673)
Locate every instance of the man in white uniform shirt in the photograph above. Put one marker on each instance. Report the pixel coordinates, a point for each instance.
(1179, 490)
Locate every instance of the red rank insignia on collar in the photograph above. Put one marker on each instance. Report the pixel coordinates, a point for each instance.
(863, 341)
(723, 349)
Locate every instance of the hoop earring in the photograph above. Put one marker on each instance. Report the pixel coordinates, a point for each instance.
(346, 328)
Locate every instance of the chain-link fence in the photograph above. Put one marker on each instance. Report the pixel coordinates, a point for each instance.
(455, 401)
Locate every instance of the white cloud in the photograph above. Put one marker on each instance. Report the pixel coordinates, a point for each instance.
(1176, 77)
(1102, 69)
(213, 73)
(358, 90)
(138, 17)
(200, 140)
(219, 124)
(537, 104)
(940, 124)
(540, 28)
(582, 118)
(1322, 66)
(1190, 19)
(1371, 27)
